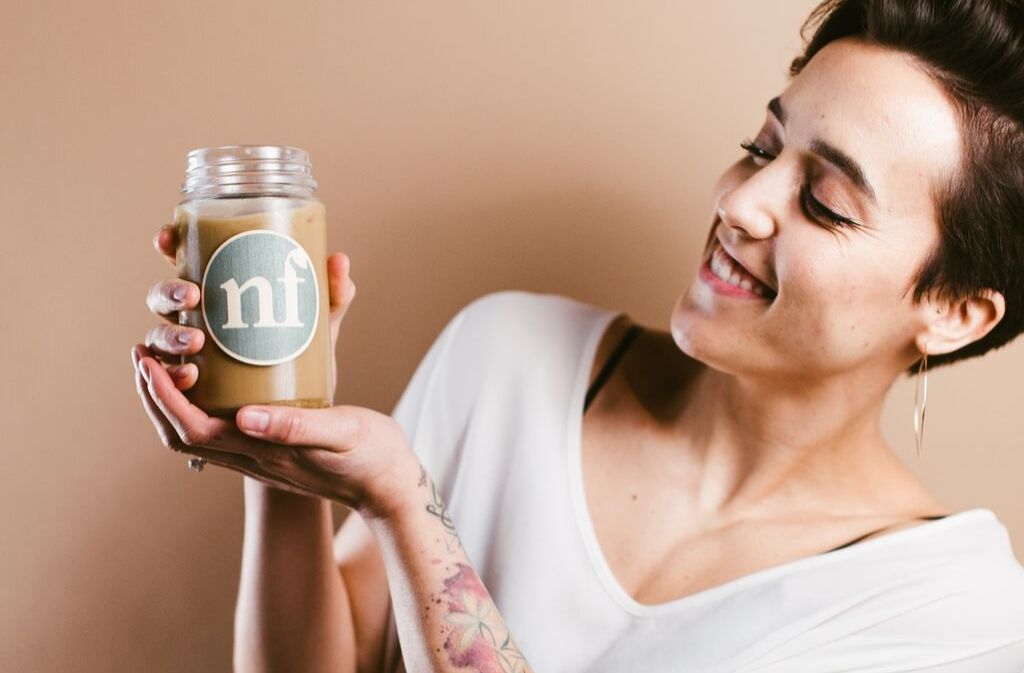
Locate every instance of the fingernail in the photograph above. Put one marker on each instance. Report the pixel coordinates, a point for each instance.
(145, 370)
(184, 337)
(135, 357)
(179, 292)
(254, 419)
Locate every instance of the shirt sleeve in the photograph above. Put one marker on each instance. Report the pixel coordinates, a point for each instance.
(495, 349)
(968, 630)
(423, 410)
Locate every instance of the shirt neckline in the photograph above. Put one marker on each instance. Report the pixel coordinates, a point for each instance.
(600, 564)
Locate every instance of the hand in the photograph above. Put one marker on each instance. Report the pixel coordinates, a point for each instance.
(351, 455)
(183, 426)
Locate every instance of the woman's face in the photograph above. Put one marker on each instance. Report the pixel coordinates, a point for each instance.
(865, 133)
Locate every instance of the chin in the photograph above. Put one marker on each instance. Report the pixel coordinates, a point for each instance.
(704, 339)
(687, 333)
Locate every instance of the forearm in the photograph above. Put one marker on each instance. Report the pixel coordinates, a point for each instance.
(292, 611)
(446, 619)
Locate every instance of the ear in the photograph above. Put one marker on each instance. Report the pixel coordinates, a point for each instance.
(954, 324)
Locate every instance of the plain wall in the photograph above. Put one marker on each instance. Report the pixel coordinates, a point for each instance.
(461, 148)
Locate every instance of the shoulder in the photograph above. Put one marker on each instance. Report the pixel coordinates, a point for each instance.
(970, 590)
(498, 354)
(504, 339)
(518, 313)
(512, 327)
(952, 601)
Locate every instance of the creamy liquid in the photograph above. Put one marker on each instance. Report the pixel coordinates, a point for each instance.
(225, 384)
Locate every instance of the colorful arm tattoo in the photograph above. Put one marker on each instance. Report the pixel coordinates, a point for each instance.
(446, 618)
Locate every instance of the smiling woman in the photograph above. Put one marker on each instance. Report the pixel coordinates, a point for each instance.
(727, 503)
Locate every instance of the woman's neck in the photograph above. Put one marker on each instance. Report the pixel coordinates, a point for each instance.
(760, 447)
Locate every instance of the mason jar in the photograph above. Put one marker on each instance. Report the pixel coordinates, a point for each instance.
(253, 237)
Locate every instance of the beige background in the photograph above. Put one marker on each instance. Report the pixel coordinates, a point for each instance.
(461, 147)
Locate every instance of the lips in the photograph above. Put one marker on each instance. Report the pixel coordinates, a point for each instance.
(717, 242)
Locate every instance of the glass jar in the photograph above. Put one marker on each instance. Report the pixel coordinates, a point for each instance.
(253, 237)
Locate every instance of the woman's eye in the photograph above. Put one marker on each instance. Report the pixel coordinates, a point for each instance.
(814, 208)
(817, 210)
(755, 151)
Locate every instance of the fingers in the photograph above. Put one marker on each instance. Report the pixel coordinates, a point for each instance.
(168, 297)
(169, 437)
(184, 376)
(342, 289)
(337, 428)
(167, 340)
(234, 452)
(164, 430)
(166, 243)
(192, 426)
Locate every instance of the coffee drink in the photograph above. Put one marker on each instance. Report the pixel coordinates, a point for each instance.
(253, 238)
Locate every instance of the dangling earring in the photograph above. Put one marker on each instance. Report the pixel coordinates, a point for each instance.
(921, 394)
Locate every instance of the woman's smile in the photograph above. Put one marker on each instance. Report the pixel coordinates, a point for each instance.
(727, 277)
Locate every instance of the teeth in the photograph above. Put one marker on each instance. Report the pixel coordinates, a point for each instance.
(722, 267)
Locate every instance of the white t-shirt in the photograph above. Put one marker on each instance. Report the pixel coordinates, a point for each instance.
(494, 412)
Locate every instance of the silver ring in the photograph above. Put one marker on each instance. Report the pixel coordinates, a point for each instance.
(196, 464)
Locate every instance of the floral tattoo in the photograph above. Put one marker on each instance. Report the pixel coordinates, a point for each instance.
(477, 638)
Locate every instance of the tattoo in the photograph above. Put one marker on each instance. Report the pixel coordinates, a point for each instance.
(437, 507)
(423, 477)
(476, 635)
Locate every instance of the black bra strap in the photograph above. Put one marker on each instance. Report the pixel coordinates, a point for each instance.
(856, 540)
(613, 359)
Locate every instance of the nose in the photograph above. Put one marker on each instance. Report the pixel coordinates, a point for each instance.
(750, 208)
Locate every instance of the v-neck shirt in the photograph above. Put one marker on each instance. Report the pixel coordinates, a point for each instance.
(494, 412)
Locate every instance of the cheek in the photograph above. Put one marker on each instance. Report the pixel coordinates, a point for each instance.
(842, 307)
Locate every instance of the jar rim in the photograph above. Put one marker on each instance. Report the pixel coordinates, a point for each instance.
(264, 169)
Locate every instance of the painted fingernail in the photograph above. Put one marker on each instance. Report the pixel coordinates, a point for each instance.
(145, 370)
(184, 337)
(254, 419)
(179, 292)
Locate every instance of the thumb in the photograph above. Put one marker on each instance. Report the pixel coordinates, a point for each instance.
(333, 427)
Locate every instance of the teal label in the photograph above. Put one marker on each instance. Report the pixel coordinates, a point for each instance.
(260, 297)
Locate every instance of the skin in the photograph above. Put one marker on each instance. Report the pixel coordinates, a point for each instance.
(749, 434)
(744, 437)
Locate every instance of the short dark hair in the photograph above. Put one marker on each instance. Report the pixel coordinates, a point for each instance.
(975, 50)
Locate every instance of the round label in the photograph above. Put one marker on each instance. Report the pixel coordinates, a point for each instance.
(260, 297)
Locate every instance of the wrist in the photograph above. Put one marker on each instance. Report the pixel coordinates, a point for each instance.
(260, 496)
(401, 497)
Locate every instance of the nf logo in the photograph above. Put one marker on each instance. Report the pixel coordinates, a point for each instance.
(260, 297)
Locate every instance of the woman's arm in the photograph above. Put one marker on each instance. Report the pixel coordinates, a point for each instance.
(360, 458)
(292, 612)
(446, 619)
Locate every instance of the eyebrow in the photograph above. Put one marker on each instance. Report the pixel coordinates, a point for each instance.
(832, 154)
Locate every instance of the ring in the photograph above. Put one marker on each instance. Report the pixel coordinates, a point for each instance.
(196, 464)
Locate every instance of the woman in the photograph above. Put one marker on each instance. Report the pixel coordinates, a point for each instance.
(727, 503)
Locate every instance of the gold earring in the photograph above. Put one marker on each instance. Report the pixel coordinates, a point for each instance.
(923, 397)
